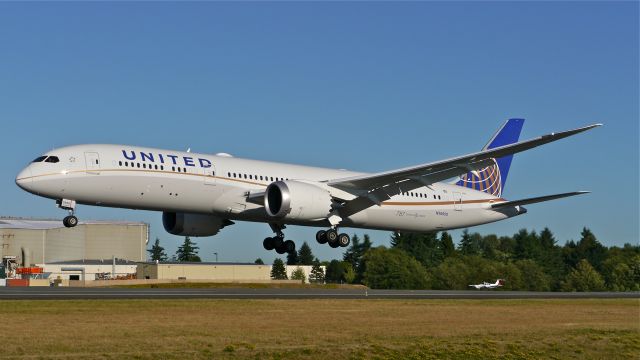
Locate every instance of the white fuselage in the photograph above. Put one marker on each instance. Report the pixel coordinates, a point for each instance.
(164, 180)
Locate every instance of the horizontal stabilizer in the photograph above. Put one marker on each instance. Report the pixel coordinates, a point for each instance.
(536, 199)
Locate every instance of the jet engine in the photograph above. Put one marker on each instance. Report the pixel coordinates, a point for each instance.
(186, 224)
(297, 201)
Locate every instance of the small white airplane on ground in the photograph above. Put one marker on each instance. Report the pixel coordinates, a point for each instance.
(199, 194)
(486, 285)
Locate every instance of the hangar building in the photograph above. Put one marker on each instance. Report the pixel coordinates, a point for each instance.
(46, 241)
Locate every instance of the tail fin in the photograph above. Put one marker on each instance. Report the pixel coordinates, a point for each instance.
(492, 178)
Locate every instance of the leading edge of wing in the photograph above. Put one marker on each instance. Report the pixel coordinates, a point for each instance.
(538, 199)
(446, 169)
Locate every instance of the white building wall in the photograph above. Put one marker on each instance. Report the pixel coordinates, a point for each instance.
(85, 241)
(90, 270)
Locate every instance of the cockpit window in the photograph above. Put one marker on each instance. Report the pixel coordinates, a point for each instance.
(39, 159)
(52, 159)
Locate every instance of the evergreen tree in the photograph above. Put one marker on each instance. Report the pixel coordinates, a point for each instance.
(551, 258)
(335, 271)
(365, 246)
(278, 271)
(352, 254)
(355, 253)
(470, 243)
(305, 256)
(292, 258)
(489, 247)
(157, 252)
(188, 251)
(259, 261)
(447, 248)
(423, 247)
(298, 274)
(317, 274)
(591, 249)
(527, 245)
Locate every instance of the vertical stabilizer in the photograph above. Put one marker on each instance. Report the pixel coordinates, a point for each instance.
(492, 178)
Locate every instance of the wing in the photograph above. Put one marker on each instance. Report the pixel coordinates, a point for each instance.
(373, 189)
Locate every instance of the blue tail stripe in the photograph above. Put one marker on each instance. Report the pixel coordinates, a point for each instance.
(509, 133)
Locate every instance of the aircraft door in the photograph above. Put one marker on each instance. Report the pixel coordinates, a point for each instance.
(457, 201)
(92, 161)
(209, 175)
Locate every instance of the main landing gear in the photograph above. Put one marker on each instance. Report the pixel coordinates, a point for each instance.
(332, 238)
(278, 242)
(70, 205)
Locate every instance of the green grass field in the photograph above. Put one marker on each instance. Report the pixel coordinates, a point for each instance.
(320, 329)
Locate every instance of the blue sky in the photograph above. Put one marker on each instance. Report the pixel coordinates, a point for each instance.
(362, 86)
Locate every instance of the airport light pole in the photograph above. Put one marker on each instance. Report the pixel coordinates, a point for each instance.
(216, 254)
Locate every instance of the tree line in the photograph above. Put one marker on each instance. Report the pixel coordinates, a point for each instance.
(525, 261)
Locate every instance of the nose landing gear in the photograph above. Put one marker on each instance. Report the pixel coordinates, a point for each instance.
(70, 205)
(70, 221)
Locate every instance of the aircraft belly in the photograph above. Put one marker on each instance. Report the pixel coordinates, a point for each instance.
(162, 193)
(425, 219)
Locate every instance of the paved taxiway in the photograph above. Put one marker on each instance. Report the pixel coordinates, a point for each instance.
(16, 293)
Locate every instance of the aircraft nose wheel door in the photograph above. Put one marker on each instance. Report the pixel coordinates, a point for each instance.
(209, 175)
(92, 160)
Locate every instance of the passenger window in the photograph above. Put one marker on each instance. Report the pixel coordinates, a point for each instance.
(138, 165)
(173, 168)
(120, 163)
(161, 167)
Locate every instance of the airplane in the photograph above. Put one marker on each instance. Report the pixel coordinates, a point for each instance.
(486, 285)
(200, 194)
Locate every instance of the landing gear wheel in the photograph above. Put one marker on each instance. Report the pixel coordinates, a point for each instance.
(70, 221)
(268, 244)
(334, 245)
(277, 243)
(289, 246)
(332, 236)
(321, 237)
(344, 240)
(281, 249)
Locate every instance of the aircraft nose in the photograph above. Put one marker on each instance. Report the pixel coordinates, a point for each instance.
(24, 179)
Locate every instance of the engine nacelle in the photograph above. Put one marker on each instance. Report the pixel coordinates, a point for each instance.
(185, 224)
(297, 201)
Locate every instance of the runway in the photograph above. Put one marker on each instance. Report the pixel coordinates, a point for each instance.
(59, 293)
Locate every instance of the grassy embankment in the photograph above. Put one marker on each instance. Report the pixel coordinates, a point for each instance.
(320, 329)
